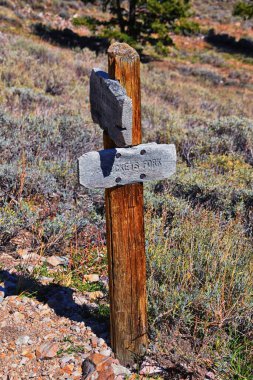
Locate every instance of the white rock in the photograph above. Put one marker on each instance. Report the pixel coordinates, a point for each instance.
(91, 277)
(105, 352)
(101, 342)
(120, 370)
(22, 339)
(210, 375)
(23, 361)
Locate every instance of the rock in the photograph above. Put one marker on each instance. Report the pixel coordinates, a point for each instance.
(106, 352)
(54, 261)
(87, 347)
(46, 280)
(68, 368)
(149, 369)
(119, 370)
(106, 374)
(24, 239)
(23, 361)
(101, 342)
(31, 257)
(94, 342)
(76, 375)
(91, 277)
(80, 299)
(21, 252)
(23, 339)
(100, 362)
(18, 317)
(28, 354)
(75, 328)
(47, 350)
(88, 367)
(66, 359)
(210, 375)
(2, 294)
(94, 295)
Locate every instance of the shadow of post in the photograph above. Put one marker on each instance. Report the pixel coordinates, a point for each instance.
(59, 298)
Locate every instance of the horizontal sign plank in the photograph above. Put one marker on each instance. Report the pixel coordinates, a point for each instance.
(111, 108)
(121, 166)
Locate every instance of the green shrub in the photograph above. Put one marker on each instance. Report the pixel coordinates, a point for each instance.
(161, 49)
(186, 27)
(244, 9)
(112, 33)
(88, 21)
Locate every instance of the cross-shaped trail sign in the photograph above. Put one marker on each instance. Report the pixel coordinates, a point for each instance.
(121, 168)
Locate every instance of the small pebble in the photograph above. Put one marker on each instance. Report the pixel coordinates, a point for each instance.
(23, 339)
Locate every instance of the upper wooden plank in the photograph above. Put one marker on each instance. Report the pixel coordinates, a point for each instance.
(121, 166)
(111, 108)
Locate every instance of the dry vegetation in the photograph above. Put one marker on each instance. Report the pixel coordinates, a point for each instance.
(198, 224)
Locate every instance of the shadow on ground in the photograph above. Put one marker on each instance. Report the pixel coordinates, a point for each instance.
(229, 44)
(59, 298)
(69, 39)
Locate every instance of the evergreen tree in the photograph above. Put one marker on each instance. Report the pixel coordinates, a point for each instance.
(244, 9)
(141, 18)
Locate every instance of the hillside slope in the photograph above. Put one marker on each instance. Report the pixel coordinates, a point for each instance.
(53, 275)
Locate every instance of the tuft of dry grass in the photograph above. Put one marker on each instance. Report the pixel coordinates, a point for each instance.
(199, 283)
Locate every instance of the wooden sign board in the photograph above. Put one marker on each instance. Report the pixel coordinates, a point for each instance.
(121, 166)
(111, 108)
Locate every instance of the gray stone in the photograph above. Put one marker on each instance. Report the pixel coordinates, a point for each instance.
(75, 328)
(23, 339)
(119, 370)
(54, 261)
(210, 375)
(111, 108)
(88, 367)
(106, 352)
(23, 361)
(121, 166)
(101, 342)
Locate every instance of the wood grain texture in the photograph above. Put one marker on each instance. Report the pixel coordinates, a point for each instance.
(111, 108)
(125, 228)
(122, 166)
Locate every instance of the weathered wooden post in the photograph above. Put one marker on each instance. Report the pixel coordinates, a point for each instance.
(125, 227)
(121, 168)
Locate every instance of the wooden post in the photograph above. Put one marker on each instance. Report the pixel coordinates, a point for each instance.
(125, 228)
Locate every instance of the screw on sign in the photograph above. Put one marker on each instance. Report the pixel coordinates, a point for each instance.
(121, 168)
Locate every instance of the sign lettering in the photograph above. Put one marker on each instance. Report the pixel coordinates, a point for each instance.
(121, 166)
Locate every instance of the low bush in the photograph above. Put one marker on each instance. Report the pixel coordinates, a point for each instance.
(186, 27)
(199, 284)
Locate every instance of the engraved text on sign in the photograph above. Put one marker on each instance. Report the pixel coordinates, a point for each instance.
(121, 166)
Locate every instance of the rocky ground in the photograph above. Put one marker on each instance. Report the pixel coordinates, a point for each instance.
(44, 334)
(44, 329)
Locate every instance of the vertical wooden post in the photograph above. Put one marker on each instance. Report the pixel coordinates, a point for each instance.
(125, 228)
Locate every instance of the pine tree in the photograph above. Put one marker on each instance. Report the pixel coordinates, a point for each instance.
(141, 18)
